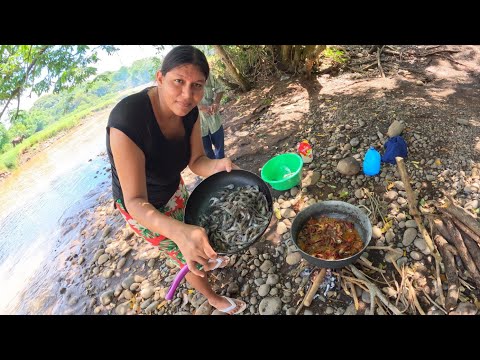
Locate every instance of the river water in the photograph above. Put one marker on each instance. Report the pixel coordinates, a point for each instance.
(53, 185)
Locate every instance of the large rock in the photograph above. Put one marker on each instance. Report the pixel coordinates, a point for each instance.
(270, 306)
(348, 166)
(395, 129)
(408, 236)
(204, 309)
(311, 178)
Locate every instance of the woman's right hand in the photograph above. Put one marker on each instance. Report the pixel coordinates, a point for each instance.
(193, 244)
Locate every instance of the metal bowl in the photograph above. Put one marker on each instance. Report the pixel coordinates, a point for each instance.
(199, 201)
(339, 210)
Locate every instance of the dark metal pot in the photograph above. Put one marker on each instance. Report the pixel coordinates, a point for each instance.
(198, 202)
(339, 210)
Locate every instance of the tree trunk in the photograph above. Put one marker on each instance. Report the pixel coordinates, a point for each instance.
(297, 57)
(231, 68)
(285, 59)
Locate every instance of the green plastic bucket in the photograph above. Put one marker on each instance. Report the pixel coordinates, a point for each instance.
(283, 171)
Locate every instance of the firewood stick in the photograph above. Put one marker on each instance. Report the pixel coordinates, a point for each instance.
(464, 228)
(379, 52)
(442, 230)
(354, 295)
(462, 251)
(411, 291)
(313, 289)
(433, 302)
(377, 292)
(450, 272)
(371, 267)
(473, 249)
(461, 214)
(412, 205)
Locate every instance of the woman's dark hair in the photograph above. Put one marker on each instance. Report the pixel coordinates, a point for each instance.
(185, 54)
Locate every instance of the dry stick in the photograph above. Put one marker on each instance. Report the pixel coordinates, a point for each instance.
(313, 289)
(399, 287)
(451, 59)
(462, 215)
(380, 248)
(438, 283)
(371, 267)
(464, 228)
(411, 290)
(354, 295)
(456, 237)
(412, 204)
(373, 287)
(450, 272)
(379, 51)
(355, 281)
(438, 264)
(372, 292)
(473, 249)
(433, 302)
(466, 284)
(439, 51)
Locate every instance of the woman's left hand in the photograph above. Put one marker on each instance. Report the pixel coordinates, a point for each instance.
(224, 164)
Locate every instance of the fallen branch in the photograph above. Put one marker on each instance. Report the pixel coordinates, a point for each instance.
(354, 295)
(379, 52)
(438, 284)
(381, 310)
(400, 294)
(313, 289)
(380, 248)
(376, 292)
(368, 66)
(412, 205)
(433, 302)
(439, 51)
(413, 295)
(450, 272)
(466, 284)
(473, 249)
(463, 227)
(371, 267)
(450, 59)
(467, 260)
(461, 215)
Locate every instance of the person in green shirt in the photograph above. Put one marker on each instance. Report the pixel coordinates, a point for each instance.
(211, 122)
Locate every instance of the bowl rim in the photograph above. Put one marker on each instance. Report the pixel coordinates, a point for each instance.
(285, 179)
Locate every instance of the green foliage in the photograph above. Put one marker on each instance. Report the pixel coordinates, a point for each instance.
(252, 61)
(55, 112)
(4, 138)
(335, 54)
(44, 67)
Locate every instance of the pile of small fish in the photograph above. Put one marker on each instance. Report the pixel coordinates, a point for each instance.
(235, 217)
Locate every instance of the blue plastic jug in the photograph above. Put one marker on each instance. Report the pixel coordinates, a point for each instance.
(371, 162)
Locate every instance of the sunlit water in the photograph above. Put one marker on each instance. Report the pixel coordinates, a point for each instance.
(53, 185)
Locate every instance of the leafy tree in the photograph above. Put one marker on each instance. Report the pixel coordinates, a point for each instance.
(38, 68)
(243, 65)
(4, 138)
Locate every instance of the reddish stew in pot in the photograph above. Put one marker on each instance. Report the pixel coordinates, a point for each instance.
(329, 238)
